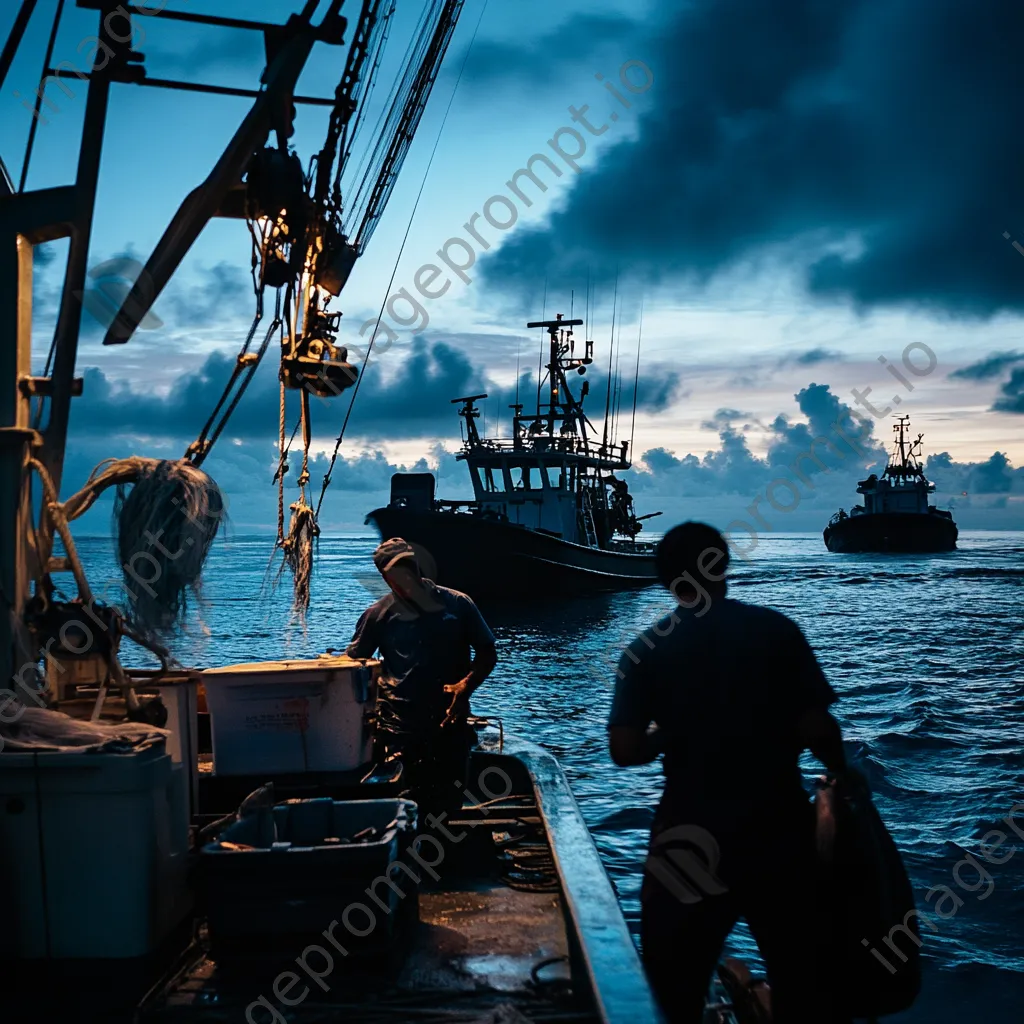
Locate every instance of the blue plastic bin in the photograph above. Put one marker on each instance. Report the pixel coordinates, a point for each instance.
(296, 880)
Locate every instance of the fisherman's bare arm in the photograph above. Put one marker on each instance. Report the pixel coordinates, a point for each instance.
(485, 658)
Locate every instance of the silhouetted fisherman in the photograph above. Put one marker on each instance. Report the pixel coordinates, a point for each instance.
(436, 650)
(731, 694)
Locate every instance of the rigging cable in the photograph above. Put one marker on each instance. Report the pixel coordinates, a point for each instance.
(540, 354)
(617, 397)
(636, 376)
(246, 365)
(392, 114)
(394, 272)
(39, 95)
(353, 127)
(611, 346)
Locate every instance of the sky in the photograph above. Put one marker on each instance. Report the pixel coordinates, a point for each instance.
(801, 211)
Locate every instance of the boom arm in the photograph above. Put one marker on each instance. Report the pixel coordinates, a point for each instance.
(203, 202)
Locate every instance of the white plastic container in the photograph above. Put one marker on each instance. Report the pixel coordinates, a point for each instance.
(181, 700)
(94, 852)
(291, 716)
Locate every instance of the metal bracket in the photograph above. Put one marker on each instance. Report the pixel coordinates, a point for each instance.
(42, 387)
(19, 435)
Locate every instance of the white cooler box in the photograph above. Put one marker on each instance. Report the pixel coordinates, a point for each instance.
(291, 716)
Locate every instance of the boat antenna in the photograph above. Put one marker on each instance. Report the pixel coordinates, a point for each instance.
(617, 398)
(586, 309)
(636, 376)
(540, 354)
(611, 347)
(519, 348)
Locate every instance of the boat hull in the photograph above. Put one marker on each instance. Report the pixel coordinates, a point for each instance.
(487, 558)
(899, 532)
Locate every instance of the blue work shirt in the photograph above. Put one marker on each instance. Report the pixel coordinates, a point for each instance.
(423, 650)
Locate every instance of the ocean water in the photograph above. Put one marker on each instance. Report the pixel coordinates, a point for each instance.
(925, 651)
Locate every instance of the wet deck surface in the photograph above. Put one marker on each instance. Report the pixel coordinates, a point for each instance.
(481, 952)
(486, 934)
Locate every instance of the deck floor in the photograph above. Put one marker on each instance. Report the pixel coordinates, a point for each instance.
(485, 935)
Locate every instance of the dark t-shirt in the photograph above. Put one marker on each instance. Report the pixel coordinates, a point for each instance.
(728, 689)
(422, 651)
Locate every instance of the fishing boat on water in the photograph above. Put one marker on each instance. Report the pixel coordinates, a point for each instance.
(895, 516)
(135, 853)
(547, 502)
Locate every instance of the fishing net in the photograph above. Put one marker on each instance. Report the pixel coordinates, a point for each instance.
(165, 525)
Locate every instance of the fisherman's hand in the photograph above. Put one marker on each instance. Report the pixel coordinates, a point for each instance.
(459, 707)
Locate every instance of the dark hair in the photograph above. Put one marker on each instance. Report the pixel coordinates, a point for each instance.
(683, 550)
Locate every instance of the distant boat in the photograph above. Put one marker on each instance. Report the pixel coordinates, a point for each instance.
(895, 515)
(549, 517)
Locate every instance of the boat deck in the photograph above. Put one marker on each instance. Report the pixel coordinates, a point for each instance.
(491, 943)
(480, 952)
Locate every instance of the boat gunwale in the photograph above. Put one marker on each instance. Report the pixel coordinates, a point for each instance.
(619, 985)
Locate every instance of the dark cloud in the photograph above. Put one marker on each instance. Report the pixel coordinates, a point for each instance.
(406, 393)
(723, 417)
(873, 143)
(1011, 392)
(987, 368)
(1012, 399)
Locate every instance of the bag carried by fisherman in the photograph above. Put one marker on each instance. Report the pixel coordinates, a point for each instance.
(878, 944)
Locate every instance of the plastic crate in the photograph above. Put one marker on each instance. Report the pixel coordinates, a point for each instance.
(293, 879)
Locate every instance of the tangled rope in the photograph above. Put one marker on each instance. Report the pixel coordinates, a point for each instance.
(298, 544)
(60, 514)
(165, 525)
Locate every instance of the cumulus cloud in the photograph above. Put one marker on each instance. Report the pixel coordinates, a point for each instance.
(831, 442)
(810, 467)
(995, 475)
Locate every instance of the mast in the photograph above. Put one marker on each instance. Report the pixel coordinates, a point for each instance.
(899, 428)
(559, 331)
